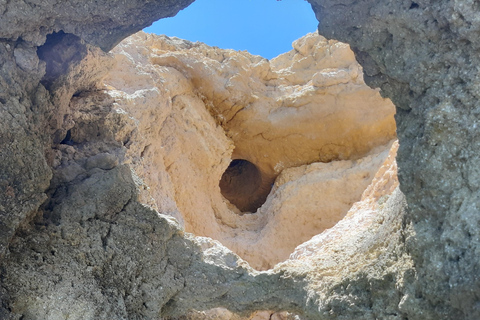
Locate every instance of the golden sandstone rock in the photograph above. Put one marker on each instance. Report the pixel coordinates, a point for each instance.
(260, 155)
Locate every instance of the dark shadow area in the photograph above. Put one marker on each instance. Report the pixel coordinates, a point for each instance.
(59, 52)
(68, 139)
(241, 185)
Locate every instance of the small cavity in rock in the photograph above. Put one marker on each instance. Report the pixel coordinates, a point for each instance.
(240, 185)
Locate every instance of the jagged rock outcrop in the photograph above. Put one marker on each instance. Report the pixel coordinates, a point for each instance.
(33, 117)
(196, 110)
(422, 54)
(418, 262)
(28, 116)
(83, 261)
(78, 243)
(101, 23)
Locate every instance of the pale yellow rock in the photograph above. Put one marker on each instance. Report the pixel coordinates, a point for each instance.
(305, 201)
(306, 116)
(362, 213)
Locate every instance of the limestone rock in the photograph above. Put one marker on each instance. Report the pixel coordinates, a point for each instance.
(31, 117)
(197, 108)
(307, 200)
(103, 23)
(81, 245)
(415, 262)
(84, 261)
(362, 213)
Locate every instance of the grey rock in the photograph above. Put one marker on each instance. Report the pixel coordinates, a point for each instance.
(102, 23)
(26, 58)
(68, 173)
(29, 118)
(105, 161)
(424, 56)
(83, 247)
(24, 172)
(100, 254)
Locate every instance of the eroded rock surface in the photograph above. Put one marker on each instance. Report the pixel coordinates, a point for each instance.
(415, 263)
(29, 112)
(80, 245)
(83, 261)
(424, 56)
(197, 108)
(101, 23)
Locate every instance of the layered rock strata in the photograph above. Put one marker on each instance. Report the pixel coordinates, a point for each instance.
(302, 129)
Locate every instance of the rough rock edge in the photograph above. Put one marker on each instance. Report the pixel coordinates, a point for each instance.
(436, 128)
(174, 82)
(422, 54)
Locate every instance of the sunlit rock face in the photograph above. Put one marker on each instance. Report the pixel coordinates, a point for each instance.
(260, 155)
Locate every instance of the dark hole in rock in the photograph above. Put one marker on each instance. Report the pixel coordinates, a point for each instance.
(241, 184)
(68, 138)
(59, 52)
(414, 5)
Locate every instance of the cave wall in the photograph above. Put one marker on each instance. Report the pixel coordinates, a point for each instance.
(424, 56)
(418, 262)
(31, 115)
(100, 23)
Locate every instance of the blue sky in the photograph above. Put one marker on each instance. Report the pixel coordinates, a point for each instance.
(262, 27)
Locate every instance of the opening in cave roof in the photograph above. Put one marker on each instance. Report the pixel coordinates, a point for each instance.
(262, 27)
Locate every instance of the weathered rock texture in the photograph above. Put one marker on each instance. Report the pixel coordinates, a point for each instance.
(424, 56)
(72, 228)
(111, 257)
(194, 108)
(101, 23)
(28, 113)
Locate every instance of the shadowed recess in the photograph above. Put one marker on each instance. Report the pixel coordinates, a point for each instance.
(59, 52)
(240, 184)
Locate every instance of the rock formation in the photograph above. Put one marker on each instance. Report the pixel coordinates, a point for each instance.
(196, 110)
(422, 55)
(77, 240)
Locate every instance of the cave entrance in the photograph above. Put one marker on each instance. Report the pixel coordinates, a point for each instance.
(239, 123)
(241, 184)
